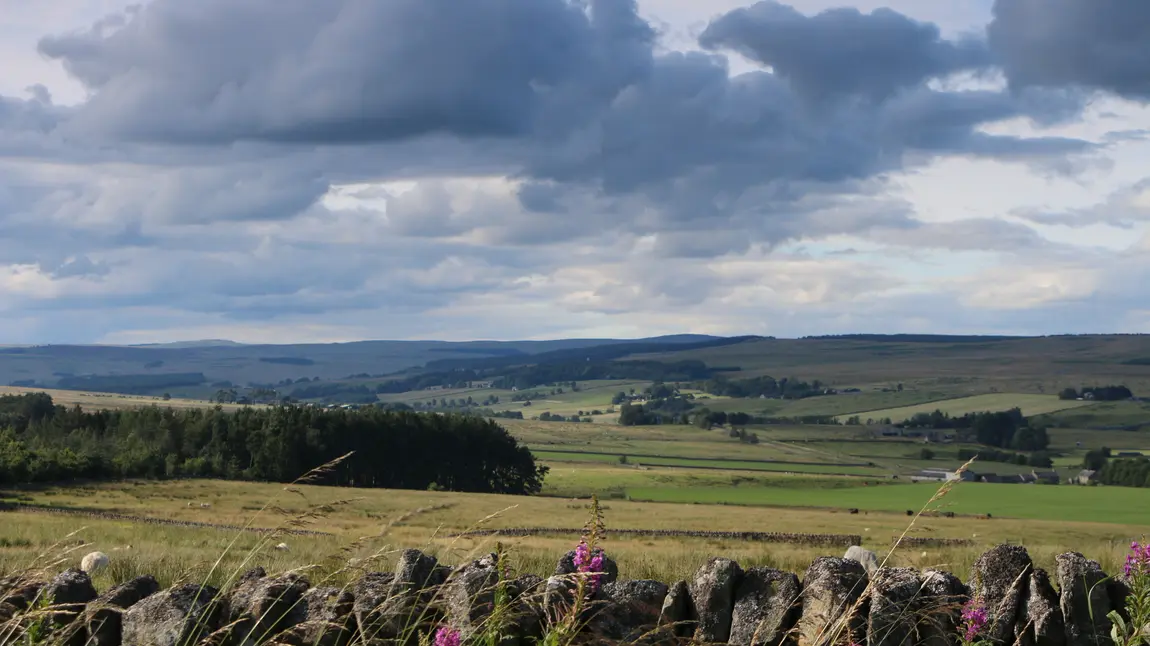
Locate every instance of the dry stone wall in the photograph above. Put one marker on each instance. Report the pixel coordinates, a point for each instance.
(836, 601)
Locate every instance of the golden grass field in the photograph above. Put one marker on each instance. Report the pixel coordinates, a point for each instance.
(373, 524)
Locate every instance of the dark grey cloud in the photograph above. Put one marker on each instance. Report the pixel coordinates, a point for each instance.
(843, 53)
(349, 71)
(1095, 44)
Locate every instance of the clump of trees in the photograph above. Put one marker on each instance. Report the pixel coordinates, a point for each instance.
(42, 442)
(1004, 430)
(1102, 393)
(763, 386)
(1122, 472)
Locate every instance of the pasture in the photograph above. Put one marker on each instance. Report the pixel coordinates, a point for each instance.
(374, 524)
(1031, 405)
(96, 401)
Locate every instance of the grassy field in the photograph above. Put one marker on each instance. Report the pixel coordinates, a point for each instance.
(1043, 502)
(1029, 404)
(592, 395)
(93, 401)
(373, 524)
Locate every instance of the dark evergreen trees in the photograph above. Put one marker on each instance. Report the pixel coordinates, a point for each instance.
(40, 442)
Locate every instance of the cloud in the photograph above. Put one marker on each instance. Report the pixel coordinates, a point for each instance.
(542, 166)
(1094, 44)
(347, 71)
(1123, 209)
(843, 53)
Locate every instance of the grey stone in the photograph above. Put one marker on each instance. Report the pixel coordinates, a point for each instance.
(628, 610)
(677, 614)
(1040, 621)
(833, 603)
(941, 613)
(372, 605)
(262, 607)
(468, 597)
(173, 617)
(862, 555)
(105, 614)
(328, 619)
(19, 592)
(896, 599)
(1085, 600)
(766, 608)
(713, 599)
(69, 592)
(1000, 582)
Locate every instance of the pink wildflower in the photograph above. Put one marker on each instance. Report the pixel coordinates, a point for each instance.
(582, 556)
(974, 619)
(446, 636)
(586, 563)
(1137, 560)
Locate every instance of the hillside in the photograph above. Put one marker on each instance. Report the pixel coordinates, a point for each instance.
(202, 363)
(1028, 364)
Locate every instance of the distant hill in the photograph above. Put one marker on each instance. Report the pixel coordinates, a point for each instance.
(203, 343)
(77, 366)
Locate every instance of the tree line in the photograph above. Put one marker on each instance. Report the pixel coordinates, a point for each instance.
(763, 386)
(1005, 429)
(1100, 393)
(43, 442)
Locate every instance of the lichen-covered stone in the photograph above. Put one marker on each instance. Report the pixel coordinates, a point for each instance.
(1085, 600)
(173, 617)
(896, 598)
(1040, 620)
(468, 597)
(713, 599)
(833, 605)
(677, 613)
(1000, 582)
(628, 610)
(105, 614)
(262, 607)
(766, 608)
(328, 619)
(941, 612)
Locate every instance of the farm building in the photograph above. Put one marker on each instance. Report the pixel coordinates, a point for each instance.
(1047, 477)
(942, 475)
(1087, 476)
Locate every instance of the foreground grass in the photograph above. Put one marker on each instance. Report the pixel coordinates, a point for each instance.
(373, 524)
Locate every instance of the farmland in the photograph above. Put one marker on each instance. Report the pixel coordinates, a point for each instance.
(1031, 405)
(373, 524)
(784, 476)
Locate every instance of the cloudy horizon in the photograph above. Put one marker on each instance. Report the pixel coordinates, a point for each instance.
(286, 171)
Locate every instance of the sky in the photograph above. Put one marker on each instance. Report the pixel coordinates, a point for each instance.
(282, 171)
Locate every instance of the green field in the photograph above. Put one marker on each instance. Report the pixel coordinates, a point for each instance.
(724, 465)
(1040, 502)
(1029, 404)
